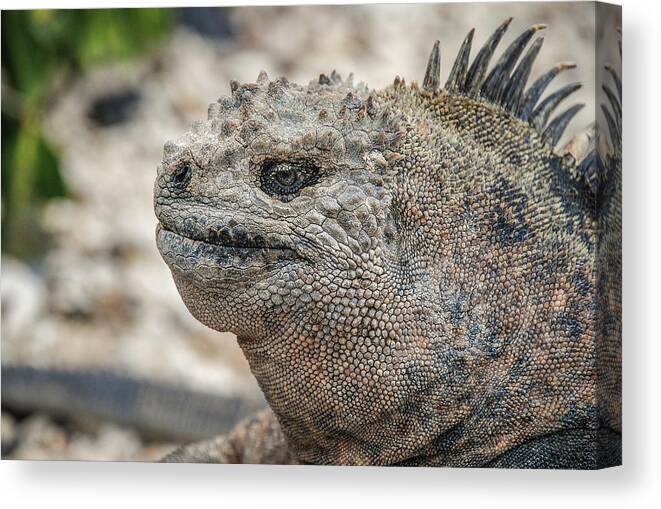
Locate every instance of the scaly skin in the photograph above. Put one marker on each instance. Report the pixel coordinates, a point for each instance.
(411, 273)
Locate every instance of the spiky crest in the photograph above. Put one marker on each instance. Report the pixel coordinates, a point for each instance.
(432, 81)
(608, 155)
(505, 84)
(613, 113)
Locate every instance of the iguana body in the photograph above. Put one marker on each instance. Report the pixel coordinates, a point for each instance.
(413, 274)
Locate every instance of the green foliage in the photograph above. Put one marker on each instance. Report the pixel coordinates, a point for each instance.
(37, 46)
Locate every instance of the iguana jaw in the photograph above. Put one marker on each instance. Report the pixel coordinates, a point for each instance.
(221, 255)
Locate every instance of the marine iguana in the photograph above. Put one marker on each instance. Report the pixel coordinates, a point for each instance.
(415, 275)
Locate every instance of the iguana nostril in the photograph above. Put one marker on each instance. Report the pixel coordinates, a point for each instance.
(182, 175)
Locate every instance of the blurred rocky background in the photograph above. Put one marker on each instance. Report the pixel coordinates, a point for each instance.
(88, 99)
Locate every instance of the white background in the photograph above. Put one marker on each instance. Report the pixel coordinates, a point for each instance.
(636, 484)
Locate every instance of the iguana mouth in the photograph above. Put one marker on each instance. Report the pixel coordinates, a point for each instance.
(210, 250)
(233, 238)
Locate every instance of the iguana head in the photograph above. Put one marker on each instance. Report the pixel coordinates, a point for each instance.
(376, 252)
(281, 196)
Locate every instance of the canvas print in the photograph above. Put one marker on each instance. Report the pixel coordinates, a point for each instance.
(384, 235)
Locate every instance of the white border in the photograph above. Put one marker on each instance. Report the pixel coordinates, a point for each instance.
(636, 484)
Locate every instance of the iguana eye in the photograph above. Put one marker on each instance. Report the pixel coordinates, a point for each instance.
(284, 179)
(182, 175)
(285, 175)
